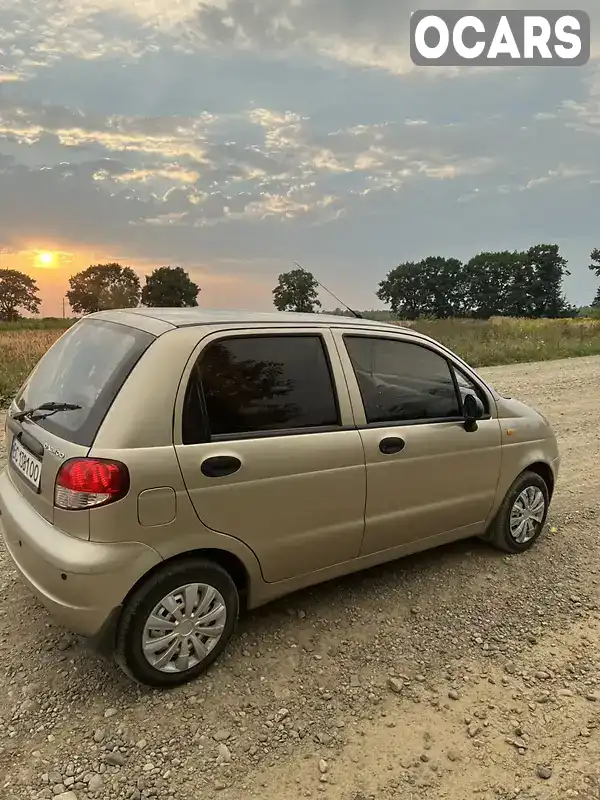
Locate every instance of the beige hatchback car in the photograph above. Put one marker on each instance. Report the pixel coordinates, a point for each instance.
(170, 467)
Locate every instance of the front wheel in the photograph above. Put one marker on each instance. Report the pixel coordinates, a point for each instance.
(177, 623)
(522, 515)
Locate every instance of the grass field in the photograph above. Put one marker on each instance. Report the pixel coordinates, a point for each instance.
(480, 342)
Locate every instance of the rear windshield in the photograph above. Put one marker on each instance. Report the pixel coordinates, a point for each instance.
(87, 366)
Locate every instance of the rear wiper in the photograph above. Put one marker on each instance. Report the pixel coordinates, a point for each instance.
(52, 408)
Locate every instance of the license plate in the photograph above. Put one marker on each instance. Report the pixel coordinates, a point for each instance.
(26, 464)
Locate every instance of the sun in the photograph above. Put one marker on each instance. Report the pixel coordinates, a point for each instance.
(46, 258)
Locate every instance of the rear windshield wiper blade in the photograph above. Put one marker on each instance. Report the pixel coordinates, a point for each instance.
(52, 408)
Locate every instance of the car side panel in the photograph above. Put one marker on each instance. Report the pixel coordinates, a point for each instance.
(298, 499)
(138, 430)
(298, 503)
(444, 481)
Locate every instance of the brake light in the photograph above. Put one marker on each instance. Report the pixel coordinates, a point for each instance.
(90, 482)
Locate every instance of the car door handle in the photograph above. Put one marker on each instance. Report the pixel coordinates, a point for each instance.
(220, 466)
(391, 445)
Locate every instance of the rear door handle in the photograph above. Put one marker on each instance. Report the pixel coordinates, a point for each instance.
(391, 445)
(220, 466)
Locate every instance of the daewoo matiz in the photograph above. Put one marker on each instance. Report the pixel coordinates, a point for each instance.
(171, 467)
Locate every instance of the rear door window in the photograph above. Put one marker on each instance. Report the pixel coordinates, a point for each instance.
(251, 385)
(87, 366)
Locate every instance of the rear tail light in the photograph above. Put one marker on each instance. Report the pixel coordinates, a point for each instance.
(90, 482)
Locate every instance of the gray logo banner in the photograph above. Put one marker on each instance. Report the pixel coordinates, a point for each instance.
(500, 38)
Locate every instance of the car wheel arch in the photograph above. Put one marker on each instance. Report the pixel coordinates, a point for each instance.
(230, 562)
(544, 470)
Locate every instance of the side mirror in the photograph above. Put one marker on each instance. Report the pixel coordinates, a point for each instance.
(473, 410)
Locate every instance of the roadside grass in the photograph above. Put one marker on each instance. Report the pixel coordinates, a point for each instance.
(482, 343)
(502, 340)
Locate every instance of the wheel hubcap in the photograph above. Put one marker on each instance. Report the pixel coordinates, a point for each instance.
(527, 514)
(184, 627)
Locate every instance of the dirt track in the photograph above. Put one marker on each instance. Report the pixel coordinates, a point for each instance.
(496, 660)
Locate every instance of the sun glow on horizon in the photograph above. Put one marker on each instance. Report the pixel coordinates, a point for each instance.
(46, 258)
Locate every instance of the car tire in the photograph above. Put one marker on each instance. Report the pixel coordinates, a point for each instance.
(171, 604)
(529, 490)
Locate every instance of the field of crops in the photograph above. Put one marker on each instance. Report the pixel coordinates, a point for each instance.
(479, 342)
(21, 346)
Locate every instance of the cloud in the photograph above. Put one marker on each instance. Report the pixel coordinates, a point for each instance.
(584, 115)
(350, 32)
(181, 171)
(236, 135)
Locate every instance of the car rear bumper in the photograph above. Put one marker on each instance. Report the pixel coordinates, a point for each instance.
(80, 583)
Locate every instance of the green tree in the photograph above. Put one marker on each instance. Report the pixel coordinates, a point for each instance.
(504, 283)
(518, 284)
(401, 289)
(168, 287)
(443, 287)
(595, 267)
(547, 269)
(433, 287)
(522, 296)
(491, 288)
(103, 286)
(17, 291)
(296, 291)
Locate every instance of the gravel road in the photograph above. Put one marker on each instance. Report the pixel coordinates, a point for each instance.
(460, 673)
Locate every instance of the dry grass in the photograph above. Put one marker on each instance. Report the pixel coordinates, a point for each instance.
(479, 342)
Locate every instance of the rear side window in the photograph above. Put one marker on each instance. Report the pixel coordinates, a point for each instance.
(87, 366)
(402, 382)
(253, 384)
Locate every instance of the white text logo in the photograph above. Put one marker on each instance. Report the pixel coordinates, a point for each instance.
(488, 38)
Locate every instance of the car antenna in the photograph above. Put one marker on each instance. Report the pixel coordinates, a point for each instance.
(351, 310)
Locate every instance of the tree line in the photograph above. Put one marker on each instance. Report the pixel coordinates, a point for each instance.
(513, 283)
(101, 287)
(508, 283)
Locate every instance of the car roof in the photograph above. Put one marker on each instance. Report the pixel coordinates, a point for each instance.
(185, 317)
(161, 320)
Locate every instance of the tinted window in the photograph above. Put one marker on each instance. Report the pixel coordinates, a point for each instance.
(261, 383)
(86, 366)
(402, 382)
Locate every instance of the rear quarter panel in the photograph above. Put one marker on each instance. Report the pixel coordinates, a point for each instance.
(138, 430)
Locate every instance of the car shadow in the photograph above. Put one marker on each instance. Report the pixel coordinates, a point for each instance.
(414, 575)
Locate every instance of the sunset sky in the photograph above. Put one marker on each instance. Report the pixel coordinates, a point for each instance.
(233, 137)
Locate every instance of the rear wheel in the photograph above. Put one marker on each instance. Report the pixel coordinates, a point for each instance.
(177, 623)
(522, 515)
